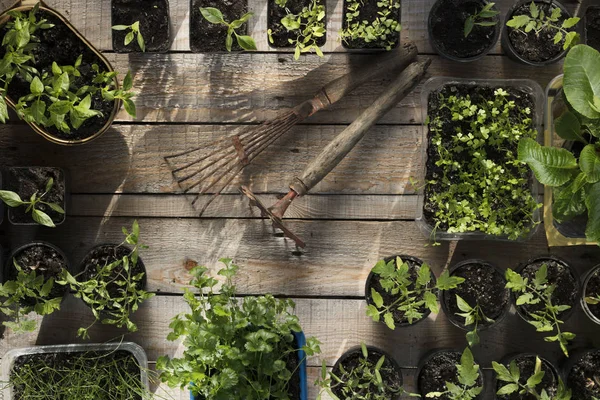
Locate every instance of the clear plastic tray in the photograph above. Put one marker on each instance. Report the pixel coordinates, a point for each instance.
(10, 357)
(526, 85)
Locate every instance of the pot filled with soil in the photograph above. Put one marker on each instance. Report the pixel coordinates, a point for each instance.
(592, 27)
(463, 30)
(140, 25)
(480, 301)
(99, 371)
(62, 86)
(470, 169)
(297, 24)
(371, 25)
(581, 371)
(590, 295)
(35, 195)
(441, 366)
(538, 33)
(516, 378)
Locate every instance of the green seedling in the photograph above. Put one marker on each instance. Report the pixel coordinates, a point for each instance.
(214, 16)
(484, 17)
(473, 316)
(468, 375)
(382, 30)
(134, 33)
(12, 199)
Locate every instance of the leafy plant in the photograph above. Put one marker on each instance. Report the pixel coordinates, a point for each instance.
(214, 16)
(308, 26)
(412, 295)
(236, 348)
(472, 316)
(594, 299)
(468, 375)
(539, 291)
(576, 182)
(512, 377)
(376, 31)
(28, 293)
(480, 17)
(12, 199)
(363, 382)
(134, 33)
(113, 292)
(537, 21)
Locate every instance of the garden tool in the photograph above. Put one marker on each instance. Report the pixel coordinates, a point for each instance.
(335, 151)
(228, 156)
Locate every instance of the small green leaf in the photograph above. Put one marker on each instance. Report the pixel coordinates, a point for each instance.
(212, 15)
(377, 299)
(42, 218)
(11, 199)
(246, 42)
(36, 86)
(120, 27)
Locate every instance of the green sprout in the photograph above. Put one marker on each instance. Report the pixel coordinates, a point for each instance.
(12, 199)
(214, 16)
(134, 32)
(484, 17)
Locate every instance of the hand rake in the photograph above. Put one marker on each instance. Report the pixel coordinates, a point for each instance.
(224, 159)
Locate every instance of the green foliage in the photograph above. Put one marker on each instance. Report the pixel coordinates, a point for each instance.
(29, 288)
(539, 291)
(235, 348)
(412, 294)
(215, 16)
(484, 17)
(113, 292)
(12, 199)
(468, 375)
(383, 30)
(512, 377)
(474, 192)
(537, 21)
(308, 26)
(582, 81)
(134, 32)
(363, 382)
(473, 316)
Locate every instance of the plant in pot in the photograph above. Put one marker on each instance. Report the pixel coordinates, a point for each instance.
(473, 186)
(592, 27)
(590, 296)
(55, 80)
(35, 195)
(370, 24)
(463, 30)
(539, 32)
(582, 374)
(479, 302)
(365, 373)
(573, 174)
(402, 290)
(297, 23)
(140, 25)
(262, 351)
(29, 284)
(111, 282)
(545, 291)
(528, 377)
(450, 375)
(215, 23)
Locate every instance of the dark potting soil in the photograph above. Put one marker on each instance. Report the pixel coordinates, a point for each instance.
(538, 47)
(153, 16)
(483, 285)
(447, 29)
(435, 108)
(592, 27)
(561, 277)
(388, 298)
(584, 379)
(42, 259)
(392, 377)
(49, 363)
(275, 13)
(593, 289)
(438, 370)
(62, 45)
(27, 181)
(526, 364)
(207, 37)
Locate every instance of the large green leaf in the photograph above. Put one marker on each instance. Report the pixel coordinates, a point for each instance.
(568, 127)
(589, 160)
(552, 166)
(582, 79)
(592, 201)
(569, 201)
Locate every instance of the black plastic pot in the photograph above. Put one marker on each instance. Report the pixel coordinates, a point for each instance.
(581, 373)
(444, 297)
(371, 350)
(274, 18)
(444, 6)
(592, 36)
(210, 38)
(507, 360)
(430, 357)
(368, 47)
(154, 19)
(593, 273)
(510, 50)
(371, 276)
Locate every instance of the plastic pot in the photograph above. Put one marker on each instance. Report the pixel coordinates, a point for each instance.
(120, 17)
(585, 306)
(368, 49)
(507, 360)
(575, 370)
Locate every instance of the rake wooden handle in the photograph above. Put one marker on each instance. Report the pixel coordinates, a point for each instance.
(337, 149)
